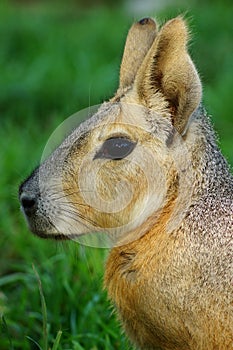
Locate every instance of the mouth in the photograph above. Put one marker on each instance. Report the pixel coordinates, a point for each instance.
(55, 236)
(43, 228)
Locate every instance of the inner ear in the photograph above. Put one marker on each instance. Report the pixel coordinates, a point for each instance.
(168, 73)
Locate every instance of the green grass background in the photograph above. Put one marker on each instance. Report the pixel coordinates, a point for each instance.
(55, 59)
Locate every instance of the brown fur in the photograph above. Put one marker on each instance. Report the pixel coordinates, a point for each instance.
(170, 275)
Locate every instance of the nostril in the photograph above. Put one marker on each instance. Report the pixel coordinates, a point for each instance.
(28, 202)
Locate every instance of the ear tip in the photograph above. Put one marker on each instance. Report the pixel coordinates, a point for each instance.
(146, 23)
(176, 31)
(179, 22)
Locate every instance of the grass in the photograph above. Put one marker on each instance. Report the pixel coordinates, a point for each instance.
(54, 62)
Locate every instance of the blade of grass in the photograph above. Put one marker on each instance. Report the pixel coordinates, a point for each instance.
(77, 346)
(44, 310)
(34, 342)
(5, 330)
(14, 277)
(57, 340)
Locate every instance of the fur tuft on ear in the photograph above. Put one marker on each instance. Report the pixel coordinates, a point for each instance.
(139, 40)
(168, 73)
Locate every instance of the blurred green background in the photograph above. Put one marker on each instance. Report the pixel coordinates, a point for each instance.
(55, 59)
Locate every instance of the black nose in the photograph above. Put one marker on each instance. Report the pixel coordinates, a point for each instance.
(28, 202)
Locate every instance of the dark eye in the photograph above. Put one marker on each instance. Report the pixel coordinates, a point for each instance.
(115, 148)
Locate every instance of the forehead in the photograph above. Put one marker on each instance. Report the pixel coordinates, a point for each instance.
(119, 118)
(112, 120)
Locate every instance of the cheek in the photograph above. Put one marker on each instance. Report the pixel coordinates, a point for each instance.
(117, 195)
(114, 193)
(106, 192)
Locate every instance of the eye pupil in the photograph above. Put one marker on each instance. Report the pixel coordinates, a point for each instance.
(115, 148)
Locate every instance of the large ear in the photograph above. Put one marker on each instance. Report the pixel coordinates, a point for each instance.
(139, 40)
(169, 73)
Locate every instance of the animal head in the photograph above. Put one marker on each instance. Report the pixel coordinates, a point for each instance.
(120, 169)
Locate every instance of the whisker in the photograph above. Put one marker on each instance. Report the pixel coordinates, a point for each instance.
(77, 216)
(64, 195)
(76, 203)
(69, 209)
